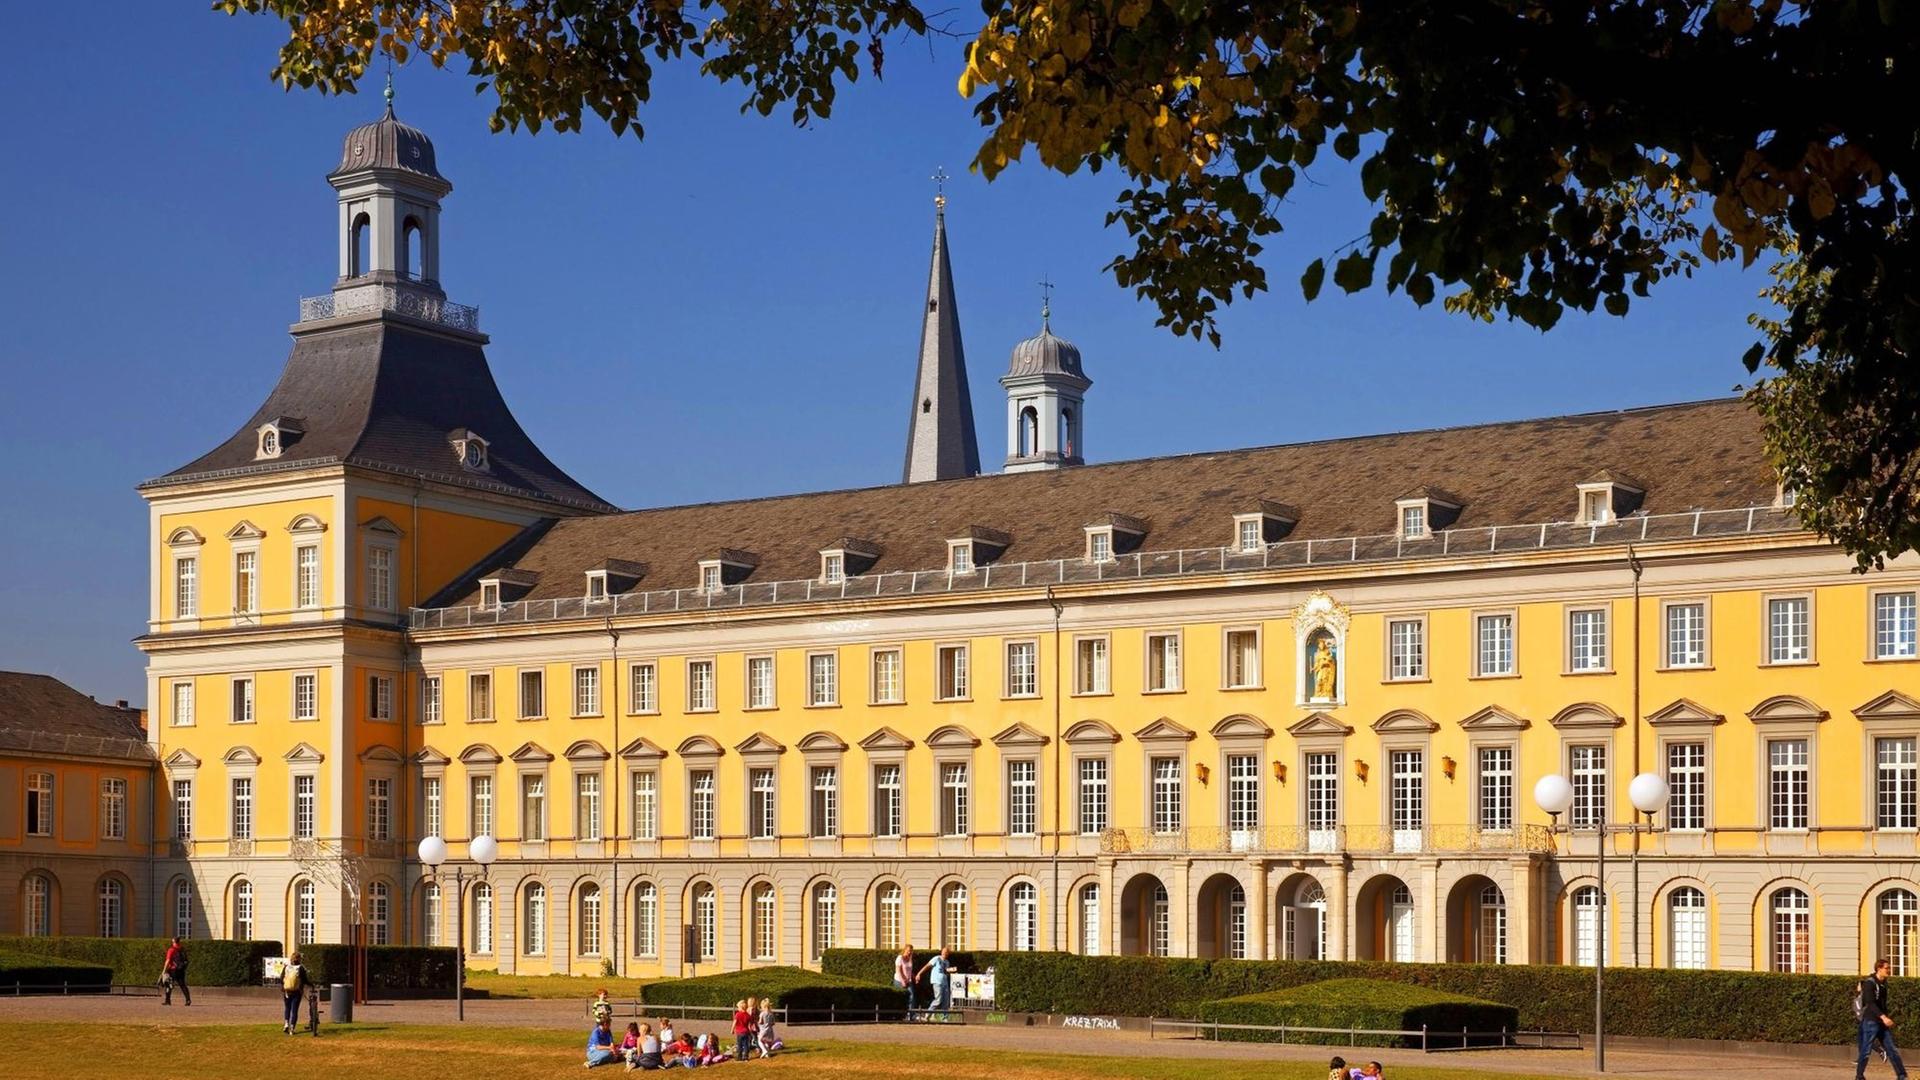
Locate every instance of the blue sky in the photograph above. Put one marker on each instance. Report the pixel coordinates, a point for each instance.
(728, 308)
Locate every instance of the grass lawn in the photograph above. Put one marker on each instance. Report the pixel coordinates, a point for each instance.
(551, 986)
(46, 1051)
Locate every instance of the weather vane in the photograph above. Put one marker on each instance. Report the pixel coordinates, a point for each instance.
(940, 179)
(1046, 304)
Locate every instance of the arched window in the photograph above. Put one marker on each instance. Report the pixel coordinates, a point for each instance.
(183, 909)
(1090, 934)
(413, 235)
(1029, 432)
(243, 910)
(430, 913)
(826, 918)
(1024, 916)
(706, 922)
(646, 920)
(306, 913)
(1304, 930)
(38, 920)
(1237, 923)
(533, 921)
(113, 908)
(766, 919)
(953, 916)
(483, 918)
(1492, 946)
(1067, 432)
(1400, 924)
(1589, 924)
(589, 920)
(362, 237)
(1900, 930)
(1792, 931)
(1687, 927)
(379, 913)
(1160, 929)
(891, 931)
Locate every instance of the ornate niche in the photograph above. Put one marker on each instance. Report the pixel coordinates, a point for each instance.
(1320, 651)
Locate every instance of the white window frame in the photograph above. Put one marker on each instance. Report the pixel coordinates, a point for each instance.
(952, 671)
(1099, 544)
(1022, 677)
(823, 679)
(306, 576)
(956, 809)
(432, 700)
(113, 808)
(242, 698)
(246, 579)
(183, 809)
(763, 803)
(1592, 793)
(823, 802)
(760, 674)
(1777, 649)
(878, 692)
(1581, 660)
(533, 807)
(1241, 524)
(1485, 649)
(1095, 680)
(586, 690)
(1789, 805)
(382, 559)
(643, 688)
(1093, 794)
(186, 586)
(1896, 785)
(1023, 797)
(480, 692)
(1167, 676)
(713, 578)
(1685, 762)
(480, 804)
(379, 808)
(645, 786)
(182, 695)
(306, 805)
(490, 596)
(539, 695)
(1673, 618)
(379, 697)
(597, 587)
(703, 798)
(1414, 519)
(889, 800)
(703, 692)
(1167, 794)
(1238, 671)
(833, 567)
(1893, 635)
(1406, 648)
(1495, 783)
(589, 818)
(960, 557)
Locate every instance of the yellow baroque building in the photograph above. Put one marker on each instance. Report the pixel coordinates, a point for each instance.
(1278, 702)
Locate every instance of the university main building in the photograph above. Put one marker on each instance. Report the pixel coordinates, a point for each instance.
(1280, 702)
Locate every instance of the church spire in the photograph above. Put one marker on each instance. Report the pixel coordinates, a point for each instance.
(940, 436)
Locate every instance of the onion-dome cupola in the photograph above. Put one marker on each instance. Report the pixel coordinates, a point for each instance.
(390, 190)
(1046, 391)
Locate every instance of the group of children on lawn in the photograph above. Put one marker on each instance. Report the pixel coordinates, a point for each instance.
(643, 1048)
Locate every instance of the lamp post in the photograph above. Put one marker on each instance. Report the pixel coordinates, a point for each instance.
(1554, 794)
(433, 852)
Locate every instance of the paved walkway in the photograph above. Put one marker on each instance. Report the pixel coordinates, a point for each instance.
(214, 1008)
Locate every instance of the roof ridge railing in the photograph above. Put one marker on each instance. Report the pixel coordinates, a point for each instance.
(1489, 540)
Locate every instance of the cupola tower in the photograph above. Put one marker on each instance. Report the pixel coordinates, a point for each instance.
(1045, 401)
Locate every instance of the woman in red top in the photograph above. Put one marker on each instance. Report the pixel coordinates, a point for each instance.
(742, 1029)
(173, 974)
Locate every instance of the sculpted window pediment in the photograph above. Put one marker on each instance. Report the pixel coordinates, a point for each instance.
(822, 742)
(700, 746)
(246, 530)
(306, 523)
(180, 759)
(1684, 711)
(185, 536)
(1020, 735)
(886, 739)
(1091, 731)
(642, 749)
(953, 737)
(1405, 721)
(1241, 726)
(1587, 714)
(429, 756)
(1786, 709)
(1495, 718)
(531, 753)
(380, 753)
(382, 524)
(305, 753)
(1164, 730)
(1318, 723)
(480, 754)
(1892, 705)
(587, 750)
(760, 743)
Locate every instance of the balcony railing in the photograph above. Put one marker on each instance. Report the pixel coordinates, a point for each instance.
(364, 299)
(1495, 541)
(1299, 840)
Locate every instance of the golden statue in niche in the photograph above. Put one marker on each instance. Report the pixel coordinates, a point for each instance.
(1325, 668)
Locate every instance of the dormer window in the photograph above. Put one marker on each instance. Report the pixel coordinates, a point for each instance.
(1421, 512)
(1785, 496)
(959, 556)
(725, 567)
(1100, 545)
(1111, 534)
(275, 436)
(1606, 496)
(469, 449)
(1596, 507)
(1266, 522)
(1413, 521)
(833, 567)
(596, 586)
(270, 443)
(490, 595)
(1247, 533)
(710, 577)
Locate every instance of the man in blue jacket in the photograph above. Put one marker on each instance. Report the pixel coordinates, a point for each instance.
(1876, 1021)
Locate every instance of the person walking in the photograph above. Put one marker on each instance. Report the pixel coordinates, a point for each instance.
(1876, 1021)
(903, 975)
(173, 974)
(940, 970)
(293, 986)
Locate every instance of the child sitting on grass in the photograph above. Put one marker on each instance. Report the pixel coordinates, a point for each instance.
(1337, 1069)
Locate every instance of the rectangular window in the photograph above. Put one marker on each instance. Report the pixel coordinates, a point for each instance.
(1163, 662)
(759, 682)
(490, 596)
(533, 695)
(586, 691)
(1168, 798)
(1243, 659)
(833, 568)
(1243, 794)
(1496, 788)
(1896, 784)
(1894, 633)
(306, 697)
(433, 802)
(306, 576)
(1408, 797)
(379, 809)
(1100, 546)
(1093, 796)
(186, 587)
(952, 664)
(586, 802)
(1788, 784)
(1023, 798)
(1589, 769)
(953, 799)
(888, 804)
(1406, 649)
(644, 695)
(1413, 522)
(242, 701)
(823, 679)
(700, 696)
(1789, 630)
(380, 578)
(533, 808)
(646, 805)
(430, 699)
(596, 587)
(183, 704)
(1091, 672)
(1686, 635)
(1587, 639)
(113, 808)
(824, 815)
(304, 810)
(480, 805)
(710, 581)
(1023, 669)
(762, 809)
(700, 814)
(1249, 534)
(1493, 645)
(887, 687)
(1323, 793)
(246, 582)
(183, 810)
(960, 558)
(479, 697)
(242, 824)
(380, 697)
(1686, 786)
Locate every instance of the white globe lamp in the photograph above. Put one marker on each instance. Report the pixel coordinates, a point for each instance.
(1553, 793)
(433, 851)
(1648, 792)
(484, 850)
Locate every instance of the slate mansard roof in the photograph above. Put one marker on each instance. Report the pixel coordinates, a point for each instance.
(41, 714)
(1704, 455)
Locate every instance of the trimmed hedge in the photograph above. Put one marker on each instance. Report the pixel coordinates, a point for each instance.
(789, 987)
(389, 967)
(25, 970)
(136, 961)
(1359, 1003)
(1649, 1002)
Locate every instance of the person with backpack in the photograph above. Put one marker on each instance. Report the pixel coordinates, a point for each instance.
(173, 974)
(293, 986)
(1875, 1015)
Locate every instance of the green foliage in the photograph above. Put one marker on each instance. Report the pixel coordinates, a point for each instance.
(1651, 1002)
(789, 987)
(389, 967)
(136, 961)
(1375, 1004)
(26, 970)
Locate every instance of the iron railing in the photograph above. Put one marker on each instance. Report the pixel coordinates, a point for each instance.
(1299, 840)
(1495, 541)
(363, 299)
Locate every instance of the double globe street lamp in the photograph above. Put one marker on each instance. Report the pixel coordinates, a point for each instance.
(1554, 794)
(433, 852)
